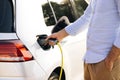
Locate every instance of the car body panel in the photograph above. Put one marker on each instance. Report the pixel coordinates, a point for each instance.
(75, 48)
(27, 33)
(30, 23)
(26, 70)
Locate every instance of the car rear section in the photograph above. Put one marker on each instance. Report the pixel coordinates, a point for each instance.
(16, 61)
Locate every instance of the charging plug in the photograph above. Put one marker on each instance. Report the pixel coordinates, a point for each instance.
(53, 41)
(45, 45)
(42, 42)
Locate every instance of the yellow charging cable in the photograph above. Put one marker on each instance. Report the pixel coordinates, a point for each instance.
(62, 60)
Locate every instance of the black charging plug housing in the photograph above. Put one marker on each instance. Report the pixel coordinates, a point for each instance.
(44, 44)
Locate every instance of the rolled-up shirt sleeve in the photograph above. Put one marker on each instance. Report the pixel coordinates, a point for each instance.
(117, 40)
(81, 23)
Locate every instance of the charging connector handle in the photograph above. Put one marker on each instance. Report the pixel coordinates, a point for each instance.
(54, 41)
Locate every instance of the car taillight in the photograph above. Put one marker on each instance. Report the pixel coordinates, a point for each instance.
(14, 51)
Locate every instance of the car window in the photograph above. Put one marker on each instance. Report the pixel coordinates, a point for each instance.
(53, 10)
(6, 16)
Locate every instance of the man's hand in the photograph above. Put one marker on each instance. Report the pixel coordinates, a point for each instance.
(112, 56)
(58, 35)
(109, 63)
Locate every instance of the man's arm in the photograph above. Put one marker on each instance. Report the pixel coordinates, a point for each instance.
(58, 35)
(117, 40)
(74, 28)
(82, 23)
(115, 50)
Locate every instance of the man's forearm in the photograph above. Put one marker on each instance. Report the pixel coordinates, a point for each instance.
(62, 34)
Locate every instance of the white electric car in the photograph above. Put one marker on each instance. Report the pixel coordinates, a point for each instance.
(22, 58)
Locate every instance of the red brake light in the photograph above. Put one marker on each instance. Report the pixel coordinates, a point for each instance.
(14, 51)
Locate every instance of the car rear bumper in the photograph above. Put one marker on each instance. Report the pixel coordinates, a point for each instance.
(29, 70)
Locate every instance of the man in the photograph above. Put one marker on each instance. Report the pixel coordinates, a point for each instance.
(102, 58)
